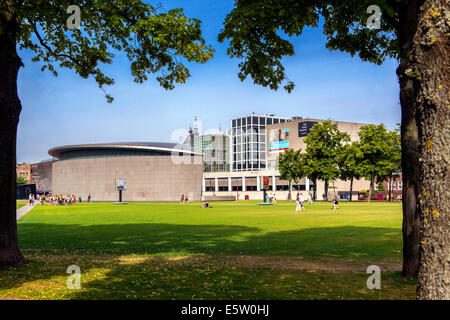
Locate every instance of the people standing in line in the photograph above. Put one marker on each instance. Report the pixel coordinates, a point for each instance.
(89, 198)
(274, 199)
(182, 198)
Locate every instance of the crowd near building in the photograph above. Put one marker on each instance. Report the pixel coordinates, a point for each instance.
(216, 165)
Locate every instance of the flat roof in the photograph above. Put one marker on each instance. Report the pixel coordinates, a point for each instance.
(155, 146)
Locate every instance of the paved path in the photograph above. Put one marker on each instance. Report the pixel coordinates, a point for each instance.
(23, 211)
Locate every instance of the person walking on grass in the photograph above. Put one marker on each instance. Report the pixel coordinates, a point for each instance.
(335, 203)
(310, 201)
(297, 200)
(301, 199)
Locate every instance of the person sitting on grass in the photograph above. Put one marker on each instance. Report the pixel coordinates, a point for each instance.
(205, 204)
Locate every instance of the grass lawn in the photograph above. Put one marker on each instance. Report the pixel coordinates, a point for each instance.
(21, 203)
(235, 250)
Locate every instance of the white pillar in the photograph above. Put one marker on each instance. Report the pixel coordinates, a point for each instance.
(203, 185)
(229, 185)
(307, 184)
(216, 184)
(274, 184)
(258, 183)
(243, 184)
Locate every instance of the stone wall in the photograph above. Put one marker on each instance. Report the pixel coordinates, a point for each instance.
(149, 178)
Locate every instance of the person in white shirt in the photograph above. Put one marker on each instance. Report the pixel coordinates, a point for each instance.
(301, 199)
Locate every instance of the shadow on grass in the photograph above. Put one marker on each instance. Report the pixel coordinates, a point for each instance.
(360, 244)
(174, 239)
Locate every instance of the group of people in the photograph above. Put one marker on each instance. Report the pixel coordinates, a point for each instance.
(272, 198)
(300, 200)
(184, 199)
(57, 199)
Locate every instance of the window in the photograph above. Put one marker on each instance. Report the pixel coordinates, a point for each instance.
(239, 122)
(234, 124)
(400, 185)
(262, 121)
(269, 120)
(243, 121)
(275, 121)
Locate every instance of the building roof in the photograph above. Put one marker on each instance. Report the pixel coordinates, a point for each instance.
(168, 147)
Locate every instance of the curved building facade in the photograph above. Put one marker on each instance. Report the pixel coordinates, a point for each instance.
(153, 171)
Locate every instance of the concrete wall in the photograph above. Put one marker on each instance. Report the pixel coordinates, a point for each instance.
(149, 178)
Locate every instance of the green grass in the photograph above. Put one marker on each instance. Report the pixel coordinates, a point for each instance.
(157, 239)
(21, 203)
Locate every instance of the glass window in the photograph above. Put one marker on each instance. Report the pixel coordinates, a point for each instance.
(239, 122)
(275, 121)
(234, 123)
(255, 120)
(269, 120)
(243, 121)
(262, 121)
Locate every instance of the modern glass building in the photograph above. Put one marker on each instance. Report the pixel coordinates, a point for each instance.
(215, 148)
(248, 141)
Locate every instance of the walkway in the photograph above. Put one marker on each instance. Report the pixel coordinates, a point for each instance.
(23, 211)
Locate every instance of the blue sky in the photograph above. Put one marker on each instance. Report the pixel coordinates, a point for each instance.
(70, 110)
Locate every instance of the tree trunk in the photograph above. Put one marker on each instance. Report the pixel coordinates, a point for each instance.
(10, 108)
(326, 190)
(290, 191)
(410, 143)
(390, 181)
(351, 190)
(315, 190)
(369, 192)
(424, 87)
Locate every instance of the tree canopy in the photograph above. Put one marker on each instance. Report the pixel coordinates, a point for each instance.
(154, 41)
(290, 167)
(257, 32)
(324, 144)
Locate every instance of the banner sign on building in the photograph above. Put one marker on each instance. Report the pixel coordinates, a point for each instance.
(305, 127)
(278, 139)
(121, 184)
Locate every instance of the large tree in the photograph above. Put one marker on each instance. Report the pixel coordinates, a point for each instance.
(154, 42)
(376, 153)
(414, 32)
(349, 165)
(290, 167)
(324, 144)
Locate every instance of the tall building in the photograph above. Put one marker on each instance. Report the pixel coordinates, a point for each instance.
(214, 145)
(215, 150)
(248, 141)
(24, 170)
